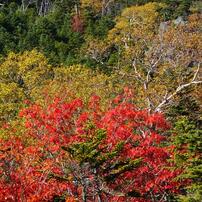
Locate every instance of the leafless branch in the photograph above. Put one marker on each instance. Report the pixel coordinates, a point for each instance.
(167, 98)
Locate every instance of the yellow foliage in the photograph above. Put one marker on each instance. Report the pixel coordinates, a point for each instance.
(21, 75)
(14, 128)
(136, 22)
(10, 100)
(78, 81)
(96, 4)
(95, 48)
(135, 30)
(29, 69)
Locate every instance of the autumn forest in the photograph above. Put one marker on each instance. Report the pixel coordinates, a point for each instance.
(100, 101)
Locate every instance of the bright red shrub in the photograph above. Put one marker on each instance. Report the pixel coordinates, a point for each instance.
(88, 154)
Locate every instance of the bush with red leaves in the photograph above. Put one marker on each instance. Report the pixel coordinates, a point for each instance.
(87, 154)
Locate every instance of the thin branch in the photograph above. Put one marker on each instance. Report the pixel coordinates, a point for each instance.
(179, 88)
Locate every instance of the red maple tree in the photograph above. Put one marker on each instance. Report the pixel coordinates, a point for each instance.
(87, 154)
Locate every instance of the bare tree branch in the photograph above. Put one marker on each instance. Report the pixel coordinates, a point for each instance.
(167, 98)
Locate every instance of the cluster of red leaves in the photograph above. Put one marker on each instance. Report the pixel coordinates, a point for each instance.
(77, 24)
(25, 170)
(23, 177)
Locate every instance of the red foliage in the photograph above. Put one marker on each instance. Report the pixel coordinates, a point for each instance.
(26, 171)
(23, 178)
(77, 24)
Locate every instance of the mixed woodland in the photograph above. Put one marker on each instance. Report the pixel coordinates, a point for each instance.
(100, 101)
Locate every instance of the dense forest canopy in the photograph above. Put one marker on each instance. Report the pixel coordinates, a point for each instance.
(100, 100)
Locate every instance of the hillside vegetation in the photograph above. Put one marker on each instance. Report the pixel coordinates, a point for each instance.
(100, 100)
